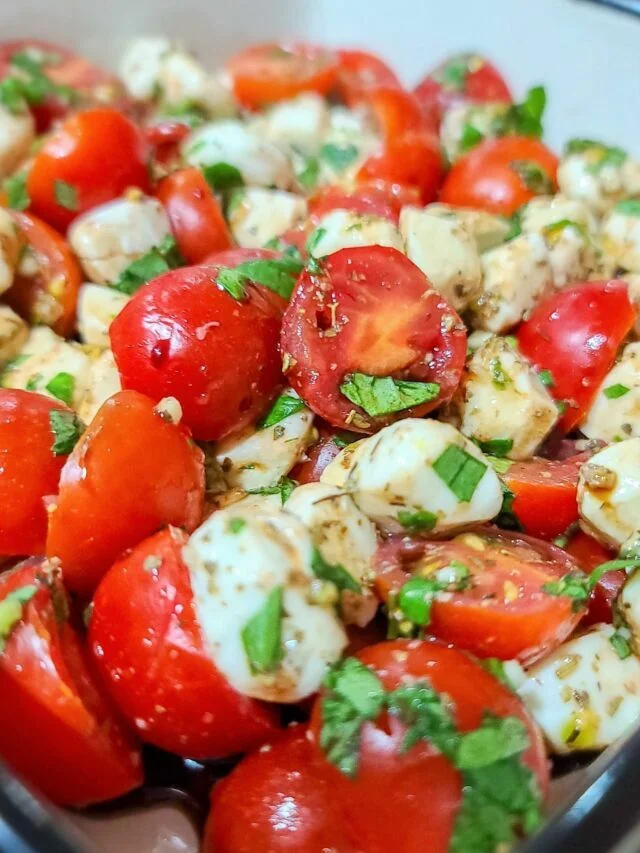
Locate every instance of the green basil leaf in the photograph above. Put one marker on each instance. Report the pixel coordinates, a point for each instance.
(12, 96)
(415, 598)
(523, 119)
(532, 176)
(12, 609)
(460, 471)
(498, 738)
(65, 195)
(283, 487)
(236, 525)
(418, 521)
(188, 111)
(383, 395)
(16, 190)
(469, 138)
(612, 392)
(278, 274)
(452, 75)
(555, 229)
(546, 377)
(262, 635)
(335, 573)
(222, 176)
(498, 447)
(621, 645)
(62, 386)
(283, 407)
(499, 375)
(339, 157)
(67, 429)
(312, 242)
(156, 262)
(629, 206)
(308, 176)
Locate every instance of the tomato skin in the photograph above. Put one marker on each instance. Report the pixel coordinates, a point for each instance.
(576, 333)
(195, 215)
(412, 160)
(28, 470)
(51, 295)
(360, 72)
(381, 199)
(505, 613)
(183, 336)
(56, 729)
(99, 152)
(265, 73)
(590, 554)
(385, 318)
(397, 112)
(131, 473)
(485, 179)
(148, 648)
(330, 442)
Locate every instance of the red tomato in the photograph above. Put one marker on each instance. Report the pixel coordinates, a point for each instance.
(91, 159)
(184, 336)
(396, 112)
(147, 645)
(56, 730)
(500, 175)
(264, 73)
(463, 77)
(590, 554)
(50, 296)
(369, 310)
(196, 219)
(318, 456)
(576, 334)
(131, 473)
(165, 137)
(29, 470)
(360, 72)
(385, 200)
(413, 160)
(290, 798)
(504, 613)
(545, 490)
(233, 257)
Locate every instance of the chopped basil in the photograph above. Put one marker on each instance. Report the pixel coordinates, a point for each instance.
(262, 635)
(579, 146)
(32, 86)
(62, 386)
(11, 611)
(343, 439)
(65, 195)
(420, 521)
(499, 465)
(546, 377)
(13, 96)
(313, 239)
(452, 74)
(515, 226)
(283, 487)
(236, 525)
(495, 740)
(188, 111)
(16, 190)
(416, 597)
(469, 138)
(612, 392)
(523, 119)
(498, 447)
(499, 375)
(11, 365)
(383, 395)
(532, 176)
(410, 607)
(555, 229)
(278, 274)
(578, 586)
(156, 262)
(222, 176)
(339, 156)
(283, 407)
(33, 381)
(561, 406)
(460, 471)
(495, 667)
(67, 429)
(335, 573)
(621, 645)
(602, 155)
(308, 176)
(628, 206)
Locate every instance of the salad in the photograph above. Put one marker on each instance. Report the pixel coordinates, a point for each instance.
(319, 442)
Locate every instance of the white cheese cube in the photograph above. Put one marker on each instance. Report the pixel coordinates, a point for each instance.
(456, 118)
(9, 250)
(487, 229)
(620, 237)
(104, 382)
(13, 333)
(342, 229)
(258, 215)
(17, 132)
(615, 412)
(140, 65)
(301, 123)
(98, 306)
(593, 177)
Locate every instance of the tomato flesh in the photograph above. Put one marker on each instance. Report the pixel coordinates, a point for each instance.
(360, 72)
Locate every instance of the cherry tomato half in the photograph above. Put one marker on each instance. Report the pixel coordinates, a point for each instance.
(184, 336)
(29, 469)
(91, 159)
(369, 310)
(504, 612)
(330, 442)
(195, 215)
(500, 175)
(132, 472)
(359, 72)
(49, 295)
(265, 73)
(56, 730)
(148, 646)
(590, 554)
(576, 334)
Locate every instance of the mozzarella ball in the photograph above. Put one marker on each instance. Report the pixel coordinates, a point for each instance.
(620, 238)
(17, 132)
(239, 562)
(13, 333)
(342, 229)
(487, 229)
(140, 65)
(98, 306)
(590, 176)
(183, 80)
(9, 250)
(337, 471)
(615, 412)
(104, 382)
(582, 695)
(301, 123)
(258, 215)
(481, 117)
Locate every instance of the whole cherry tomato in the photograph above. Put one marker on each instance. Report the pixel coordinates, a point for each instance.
(195, 215)
(411, 160)
(183, 335)
(56, 729)
(591, 554)
(359, 72)
(92, 158)
(575, 334)
(375, 199)
(29, 469)
(148, 646)
(265, 73)
(369, 310)
(500, 175)
(132, 472)
(396, 112)
(50, 294)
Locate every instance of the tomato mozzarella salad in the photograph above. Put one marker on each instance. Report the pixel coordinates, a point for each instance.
(319, 400)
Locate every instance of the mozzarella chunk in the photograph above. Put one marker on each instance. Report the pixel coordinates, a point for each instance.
(609, 492)
(482, 117)
(615, 412)
(620, 240)
(343, 153)
(256, 457)
(257, 215)
(183, 80)
(140, 65)
(445, 251)
(13, 333)
(108, 238)
(582, 695)
(633, 281)
(487, 229)
(341, 229)
(45, 356)
(504, 399)
(260, 163)
(337, 471)
(585, 177)
(17, 132)
(344, 536)
(628, 607)
(300, 123)
(392, 472)
(104, 382)
(98, 306)
(516, 276)
(9, 250)
(236, 560)
(354, 122)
